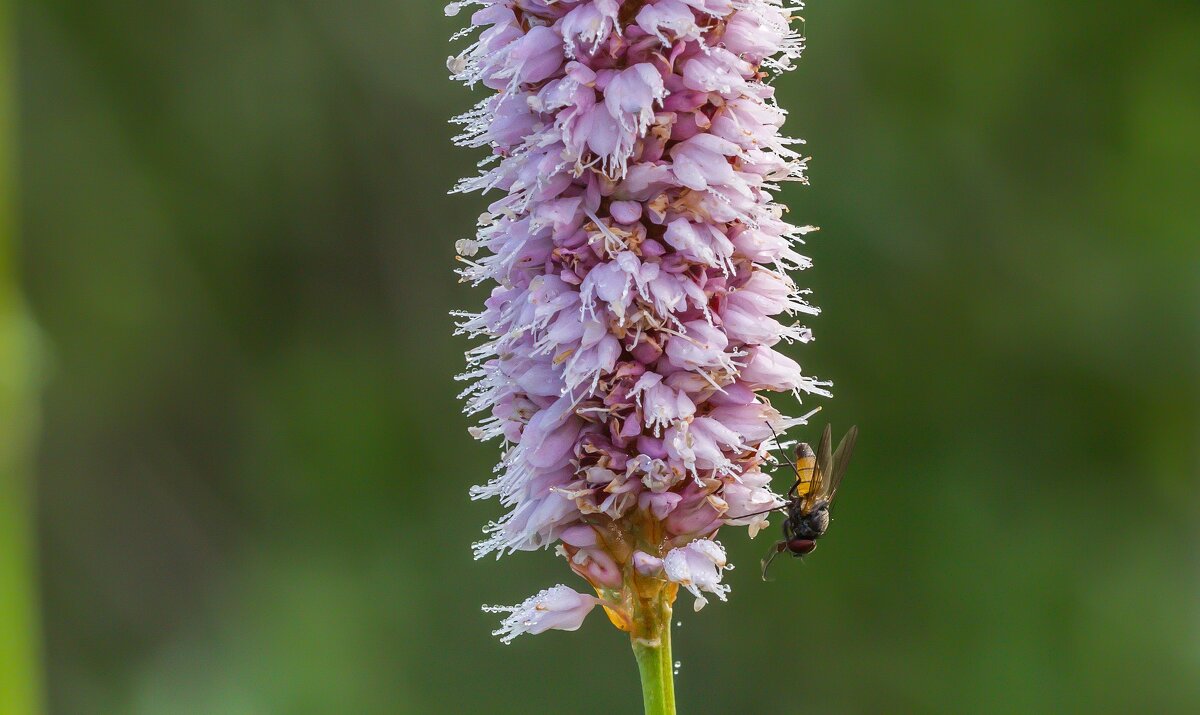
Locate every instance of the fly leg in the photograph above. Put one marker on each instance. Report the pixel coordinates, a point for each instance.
(777, 549)
(781, 507)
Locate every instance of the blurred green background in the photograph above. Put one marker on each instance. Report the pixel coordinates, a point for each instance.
(252, 471)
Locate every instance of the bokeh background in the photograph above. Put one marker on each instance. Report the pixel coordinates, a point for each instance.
(252, 473)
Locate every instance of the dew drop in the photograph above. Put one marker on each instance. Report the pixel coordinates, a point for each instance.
(678, 623)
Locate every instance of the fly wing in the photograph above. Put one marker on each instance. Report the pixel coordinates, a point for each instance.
(841, 459)
(820, 476)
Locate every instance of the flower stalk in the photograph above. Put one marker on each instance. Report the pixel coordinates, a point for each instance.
(652, 647)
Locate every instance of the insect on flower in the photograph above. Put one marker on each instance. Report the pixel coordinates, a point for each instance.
(818, 475)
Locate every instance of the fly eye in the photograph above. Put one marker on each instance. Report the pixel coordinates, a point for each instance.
(801, 547)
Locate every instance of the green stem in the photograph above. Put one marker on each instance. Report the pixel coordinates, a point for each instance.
(652, 648)
(20, 682)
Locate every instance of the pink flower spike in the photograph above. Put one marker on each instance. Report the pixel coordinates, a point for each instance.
(640, 317)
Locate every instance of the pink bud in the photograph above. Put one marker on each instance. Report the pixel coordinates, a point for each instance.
(646, 564)
(559, 608)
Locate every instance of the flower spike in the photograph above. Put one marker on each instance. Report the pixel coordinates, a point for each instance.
(639, 291)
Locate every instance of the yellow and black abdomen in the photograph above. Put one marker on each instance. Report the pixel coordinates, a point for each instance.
(806, 471)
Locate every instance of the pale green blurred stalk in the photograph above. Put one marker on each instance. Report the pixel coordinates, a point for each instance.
(20, 657)
(652, 648)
